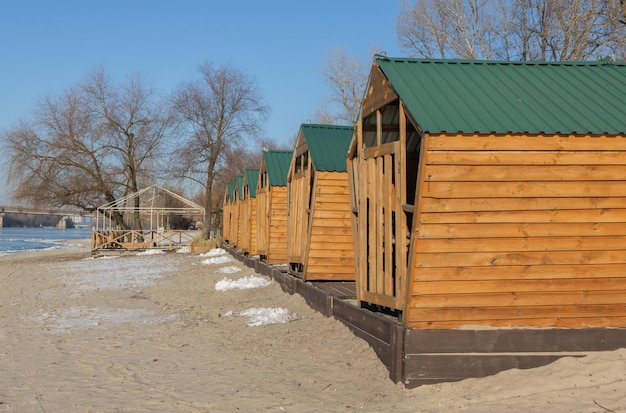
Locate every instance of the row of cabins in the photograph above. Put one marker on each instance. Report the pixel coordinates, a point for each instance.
(486, 209)
(295, 208)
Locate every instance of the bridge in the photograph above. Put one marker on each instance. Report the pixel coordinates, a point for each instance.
(63, 213)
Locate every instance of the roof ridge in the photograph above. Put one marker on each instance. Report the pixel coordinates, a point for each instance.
(327, 125)
(605, 61)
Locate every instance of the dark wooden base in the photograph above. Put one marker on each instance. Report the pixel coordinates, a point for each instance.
(417, 357)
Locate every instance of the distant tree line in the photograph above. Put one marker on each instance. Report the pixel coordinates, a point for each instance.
(522, 30)
(102, 140)
(32, 220)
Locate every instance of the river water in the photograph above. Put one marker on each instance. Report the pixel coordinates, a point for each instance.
(13, 240)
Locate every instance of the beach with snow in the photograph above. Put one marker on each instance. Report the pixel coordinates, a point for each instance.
(183, 332)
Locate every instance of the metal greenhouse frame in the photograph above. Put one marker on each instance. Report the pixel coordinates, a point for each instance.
(147, 222)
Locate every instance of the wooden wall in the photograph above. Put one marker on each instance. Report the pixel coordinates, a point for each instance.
(248, 226)
(226, 218)
(235, 208)
(252, 227)
(329, 249)
(521, 231)
(272, 224)
(243, 240)
(262, 219)
(298, 217)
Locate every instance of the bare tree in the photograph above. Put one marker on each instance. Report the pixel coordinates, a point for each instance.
(559, 30)
(465, 29)
(134, 125)
(525, 30)
(87, 146)
(346, 76)
(219, 112)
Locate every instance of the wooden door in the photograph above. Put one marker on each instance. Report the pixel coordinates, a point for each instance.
(243, 240)
(298, 223)
(382, 227)
(262, 217)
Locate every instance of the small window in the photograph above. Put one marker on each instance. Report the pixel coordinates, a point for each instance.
(302, 162)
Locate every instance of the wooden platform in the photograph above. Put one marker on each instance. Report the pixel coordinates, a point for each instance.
(425, 356)
(339, 289)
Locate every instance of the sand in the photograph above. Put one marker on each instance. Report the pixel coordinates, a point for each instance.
(151, 334)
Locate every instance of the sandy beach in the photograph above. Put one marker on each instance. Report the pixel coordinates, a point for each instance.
(151, 333)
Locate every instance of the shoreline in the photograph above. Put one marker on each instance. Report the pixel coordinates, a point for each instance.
(152, 333)
(58, 245)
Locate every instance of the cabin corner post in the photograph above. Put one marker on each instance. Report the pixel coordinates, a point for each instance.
(414, 228)
(312, 198)
(351, 166)
(403, 231)
(361, 242)
(361, 277)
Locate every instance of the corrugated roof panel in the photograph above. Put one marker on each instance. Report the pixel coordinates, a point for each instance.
(239, 185)
(252, 176)
(327, 145)
(231, 189)
(501, 97)
(277, 166)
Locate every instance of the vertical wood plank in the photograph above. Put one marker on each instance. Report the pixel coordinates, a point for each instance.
(379, 229)
(372, 225)
(402, 229)
(362, 256)
(389, 194)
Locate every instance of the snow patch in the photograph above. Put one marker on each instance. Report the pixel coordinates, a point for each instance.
(231, 269)
(222, 259)
(215, 252)
(264, 316)
(245, 283)
(151, 252)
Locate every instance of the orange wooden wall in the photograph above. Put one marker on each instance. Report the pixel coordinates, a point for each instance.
(226, 219)
(272, 223)
(329, 249)
(521, 231)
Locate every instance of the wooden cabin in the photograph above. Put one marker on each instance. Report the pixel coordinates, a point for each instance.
(248, 213)
(319, 233)
(235, 213)
(271, 198)
(226, 215)
(492, 194)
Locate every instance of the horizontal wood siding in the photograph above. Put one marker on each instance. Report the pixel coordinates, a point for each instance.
(525, 231)
(253, 224)
(226, 221)
(330, 255)
(243, 242)
(262, 220)
(277, 239)
(234, 222)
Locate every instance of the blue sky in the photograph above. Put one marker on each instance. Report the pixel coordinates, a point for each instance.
(46, 46)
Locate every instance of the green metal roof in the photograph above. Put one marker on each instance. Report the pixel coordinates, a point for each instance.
(277, 166)
(252, 176)
(231, 189)
(500, 97)
(327, 145)
(239, 184)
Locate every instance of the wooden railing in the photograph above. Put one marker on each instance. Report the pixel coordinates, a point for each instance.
(135, 239)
